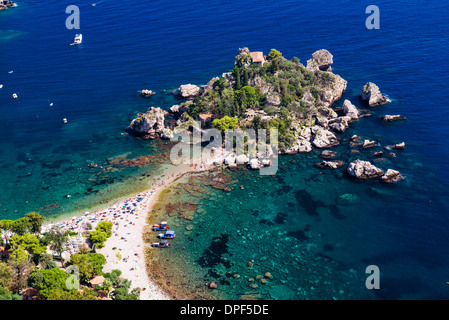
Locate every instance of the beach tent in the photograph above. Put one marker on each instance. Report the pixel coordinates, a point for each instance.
(97, 280)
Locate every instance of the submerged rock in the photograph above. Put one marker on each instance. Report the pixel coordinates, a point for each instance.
(330, 164)
(347, 199)
(328, 154)
(364, 170)
(372, 96)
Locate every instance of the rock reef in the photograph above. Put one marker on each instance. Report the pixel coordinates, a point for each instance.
(372, 96)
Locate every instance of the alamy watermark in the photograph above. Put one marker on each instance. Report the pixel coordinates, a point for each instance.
(72, 21)
(73, 280)
(373, 20)
(373, 280)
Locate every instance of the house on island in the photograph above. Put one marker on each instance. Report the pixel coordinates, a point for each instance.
(258, 58)
(205, 117)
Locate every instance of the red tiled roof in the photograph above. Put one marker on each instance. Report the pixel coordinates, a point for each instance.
(257, 56)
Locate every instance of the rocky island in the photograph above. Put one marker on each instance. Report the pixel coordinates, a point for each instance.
(4, 4)
(265, 92)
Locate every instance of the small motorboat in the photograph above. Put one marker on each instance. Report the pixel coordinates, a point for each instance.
(170, 234)
(162, 244)
(1, 86)
(78, 39)
(160, 227)
(64, 120)
(14, 95)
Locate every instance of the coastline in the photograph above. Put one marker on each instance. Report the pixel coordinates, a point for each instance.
(125, 249)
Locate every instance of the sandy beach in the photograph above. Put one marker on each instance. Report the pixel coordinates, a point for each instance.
(124, 250)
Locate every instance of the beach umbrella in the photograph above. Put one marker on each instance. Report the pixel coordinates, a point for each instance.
(97, 280)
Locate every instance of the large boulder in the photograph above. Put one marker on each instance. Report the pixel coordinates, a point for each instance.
(328, 154)
(334, 164)
(321, 60)
(388, 118)
(372, 96)
(188, 91)
(167, 134)
(254, 164)
(241, 159)
(339, 124)
(364, 170)
(324, 139)
(149, 123)
(391, 176)
(178, 110)
(350, 110)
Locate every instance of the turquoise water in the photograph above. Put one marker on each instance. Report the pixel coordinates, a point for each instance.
(159, 46)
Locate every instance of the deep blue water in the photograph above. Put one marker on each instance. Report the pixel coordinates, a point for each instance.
(160, 45)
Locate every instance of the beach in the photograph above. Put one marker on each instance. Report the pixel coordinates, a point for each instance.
(124, 250)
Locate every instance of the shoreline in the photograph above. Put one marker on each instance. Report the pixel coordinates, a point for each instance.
(125, 249)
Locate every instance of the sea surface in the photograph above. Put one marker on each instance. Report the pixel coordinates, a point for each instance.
(314, 230)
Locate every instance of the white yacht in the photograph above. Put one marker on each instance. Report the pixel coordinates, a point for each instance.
(78, 39)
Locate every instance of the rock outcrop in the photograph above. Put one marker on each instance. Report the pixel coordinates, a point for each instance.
(324, 139)
(372, 96)
(391, 176)
(388, 118)
(188, 91)
(364, 170)
(330, 164)
(350, 110)
(147, 93)
(321, 60)
(339, 124)
(328, 154)
(150, 123)
(167, 134)
(398, 146)
(368, 144)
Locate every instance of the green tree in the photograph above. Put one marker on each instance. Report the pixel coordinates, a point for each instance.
(245, 78)
(97, 260)
(6, 275)
(29, 242)
(7, 295)
(20, 262)
(36, 221)
(225, 123)
(236, 73)
(98, 238)
(49, 280)
(86, 269)
(21, 226)
(106, 227)
(274, 54)
(58, 241)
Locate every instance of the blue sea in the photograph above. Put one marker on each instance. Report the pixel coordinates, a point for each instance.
(290, 224)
